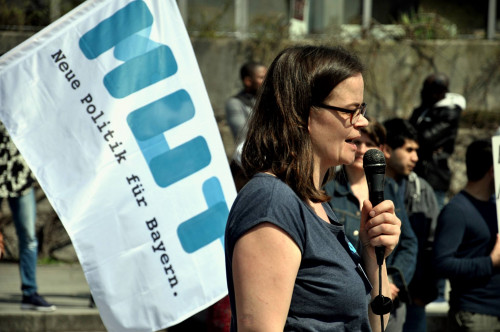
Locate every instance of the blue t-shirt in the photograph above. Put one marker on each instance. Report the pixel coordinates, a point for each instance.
(331, 291)
(465, 235)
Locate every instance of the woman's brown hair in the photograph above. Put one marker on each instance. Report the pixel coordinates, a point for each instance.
(375, 131)
(278, 137)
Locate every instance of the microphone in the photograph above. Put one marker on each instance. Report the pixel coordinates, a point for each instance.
(374, 166)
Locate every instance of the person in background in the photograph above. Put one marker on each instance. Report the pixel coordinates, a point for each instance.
(467, 247)
(436, 121)
(401, 156)
(289, 265)
(238, 109)
(16, 185)
(349, 190)
(239, 106)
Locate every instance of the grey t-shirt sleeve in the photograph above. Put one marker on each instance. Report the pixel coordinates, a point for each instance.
(272, 206)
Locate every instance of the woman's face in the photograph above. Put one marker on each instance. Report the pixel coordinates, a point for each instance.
(364, 143)
(332, 134)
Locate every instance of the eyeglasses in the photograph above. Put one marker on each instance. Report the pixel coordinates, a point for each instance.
(355, 113)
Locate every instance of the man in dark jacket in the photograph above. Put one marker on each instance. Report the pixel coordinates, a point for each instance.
(436, 121)
(421, 207)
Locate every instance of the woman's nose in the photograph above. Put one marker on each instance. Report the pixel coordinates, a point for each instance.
(362, 122)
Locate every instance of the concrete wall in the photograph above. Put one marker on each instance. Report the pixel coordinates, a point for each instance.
(395, 72)
(395, 69)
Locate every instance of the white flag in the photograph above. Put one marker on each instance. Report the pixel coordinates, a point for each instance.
(108, 107)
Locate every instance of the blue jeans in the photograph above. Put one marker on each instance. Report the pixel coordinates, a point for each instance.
(23, 210)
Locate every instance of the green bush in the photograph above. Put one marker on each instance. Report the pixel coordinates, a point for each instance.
(425, 26)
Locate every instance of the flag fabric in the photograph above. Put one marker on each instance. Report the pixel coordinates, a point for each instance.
(109, 109)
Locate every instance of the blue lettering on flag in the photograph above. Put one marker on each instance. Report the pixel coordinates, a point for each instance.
(135, 45)
(146, 62)
(161, 115)
(140, 72)
(179, 163)
(124, 23)
(209, 225)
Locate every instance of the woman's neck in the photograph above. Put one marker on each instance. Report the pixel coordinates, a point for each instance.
(318, 176)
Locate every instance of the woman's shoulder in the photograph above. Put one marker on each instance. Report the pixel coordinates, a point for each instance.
(265, 190)
(259, 184)
(267, 183)
(266, 198)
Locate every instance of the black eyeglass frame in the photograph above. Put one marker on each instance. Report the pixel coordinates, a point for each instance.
(361, 109)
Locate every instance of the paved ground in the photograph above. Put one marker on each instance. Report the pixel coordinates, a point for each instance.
(65, 286)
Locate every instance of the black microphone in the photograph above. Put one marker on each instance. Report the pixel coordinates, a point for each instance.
(374, 166)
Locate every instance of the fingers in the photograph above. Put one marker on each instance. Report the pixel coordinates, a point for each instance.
(385, 206)
(365, 210)
(380, 214)
(381, 225)
(394, 290)
(368, 211)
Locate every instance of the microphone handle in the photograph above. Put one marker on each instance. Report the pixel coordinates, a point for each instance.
(377, 197)
(380, 252)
